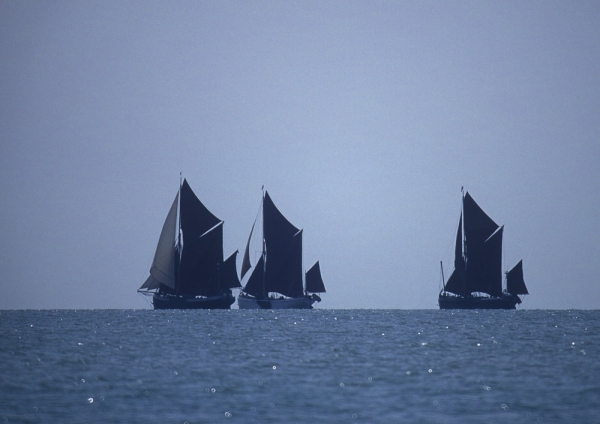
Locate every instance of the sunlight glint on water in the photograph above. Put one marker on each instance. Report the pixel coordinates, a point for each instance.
(300, 366)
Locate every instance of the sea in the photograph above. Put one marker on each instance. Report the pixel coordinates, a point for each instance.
(299, 366)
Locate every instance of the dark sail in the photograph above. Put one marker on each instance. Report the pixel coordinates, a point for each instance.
(482, 252)
(202, 249)
(199, 272)
(195, 218)
(255, 284)
(515, 284)
(456, 283)
(210, 256)
(478, 225)
(291, 284)
(487, 273)
(284, 252)
(314, 281)
(228, 273)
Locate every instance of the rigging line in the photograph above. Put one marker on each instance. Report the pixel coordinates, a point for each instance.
(145, 298)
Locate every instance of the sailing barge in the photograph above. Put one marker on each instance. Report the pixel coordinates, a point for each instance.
(188, 270)
(275, 279)
(476, 282)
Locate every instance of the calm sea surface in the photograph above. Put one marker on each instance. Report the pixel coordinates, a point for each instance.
(299, 366)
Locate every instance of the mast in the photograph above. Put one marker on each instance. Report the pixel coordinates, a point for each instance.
(264, 247)
(464, 233)
(443, 280)
(178, 249)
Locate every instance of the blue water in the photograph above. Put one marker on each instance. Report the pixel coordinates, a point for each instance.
(299, 366)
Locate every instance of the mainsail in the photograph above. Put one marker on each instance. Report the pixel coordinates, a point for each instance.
(255, 285)
(283, 241)
(483, 252)
(228, 273)
(200, 259)
(486, 275)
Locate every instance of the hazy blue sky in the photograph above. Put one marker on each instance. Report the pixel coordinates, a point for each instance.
(362, 119)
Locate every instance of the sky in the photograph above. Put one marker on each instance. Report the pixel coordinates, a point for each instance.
(362, 119)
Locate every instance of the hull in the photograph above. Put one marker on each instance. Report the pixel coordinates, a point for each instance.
(304, 302)
(178, 302)
(476, 302)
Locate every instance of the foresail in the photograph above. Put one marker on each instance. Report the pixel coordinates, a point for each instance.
(515, 283)
(228, 275)
(255, 284)
(459, 262)
(246, 265)
(163, 265)
(314, 280)
(456, 283)
(151, 283)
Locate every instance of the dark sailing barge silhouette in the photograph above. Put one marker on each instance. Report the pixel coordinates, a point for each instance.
(275, 279)
(188, 270)
(476, 282)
